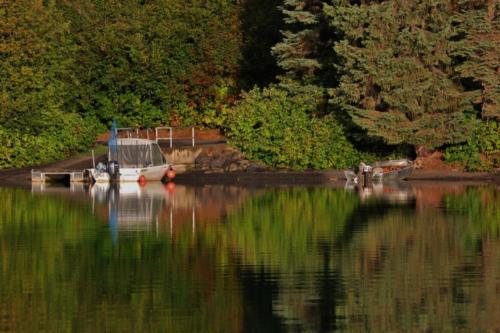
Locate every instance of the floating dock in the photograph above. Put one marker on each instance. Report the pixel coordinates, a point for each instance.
(43, 176)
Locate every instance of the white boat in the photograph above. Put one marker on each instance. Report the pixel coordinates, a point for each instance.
(131, 160)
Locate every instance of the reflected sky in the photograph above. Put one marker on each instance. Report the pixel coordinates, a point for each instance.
(398, 257)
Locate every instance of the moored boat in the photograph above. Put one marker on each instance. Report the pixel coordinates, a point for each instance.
(397, 174)
(131, 160)
(391, 170)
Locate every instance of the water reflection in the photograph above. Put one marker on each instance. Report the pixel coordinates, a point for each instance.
(397, 191)
(404, 257)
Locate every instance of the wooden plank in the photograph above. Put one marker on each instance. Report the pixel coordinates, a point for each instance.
(37, 177)
(76, 177)
(40, 176)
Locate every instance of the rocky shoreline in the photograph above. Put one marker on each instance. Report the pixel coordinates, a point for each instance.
(278, 177)
(223, 164)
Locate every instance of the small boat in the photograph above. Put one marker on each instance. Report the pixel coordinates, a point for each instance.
(131, 160)
(383, 171)
(392, 170)
(399, 174)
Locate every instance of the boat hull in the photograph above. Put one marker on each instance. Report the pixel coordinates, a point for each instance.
(155, 173)
(400, 174)
(393, 170)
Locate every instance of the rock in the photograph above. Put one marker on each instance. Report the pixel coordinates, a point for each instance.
(215, 170)
(255, 167)
(243, 164)
(233, 167)
(234, 156)
(202, 161)
(220, 159)
(217, 163)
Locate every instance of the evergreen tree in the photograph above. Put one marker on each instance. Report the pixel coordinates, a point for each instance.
(398, 75)
(476, 52)
(304, 53)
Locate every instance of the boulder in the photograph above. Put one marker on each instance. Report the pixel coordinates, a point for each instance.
(218, 162)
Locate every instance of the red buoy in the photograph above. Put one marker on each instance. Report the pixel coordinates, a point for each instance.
(170, 174)
(142, 180)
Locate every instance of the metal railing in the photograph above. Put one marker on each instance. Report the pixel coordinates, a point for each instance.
(170, 135)
(158, 137)
(156, 134)
(128, 131)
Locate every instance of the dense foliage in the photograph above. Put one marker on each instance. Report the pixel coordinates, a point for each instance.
(20, 149)
(481, 151)
(397, 75)
(475, 51)
(141, 61)
(65, 65)
(278, 126)
(423, 73)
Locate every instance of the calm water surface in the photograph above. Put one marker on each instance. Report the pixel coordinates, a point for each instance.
(407, 257)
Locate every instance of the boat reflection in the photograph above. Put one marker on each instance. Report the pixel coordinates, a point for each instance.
(130, 206)
(393, 192)
(163, 208)
(154, 206)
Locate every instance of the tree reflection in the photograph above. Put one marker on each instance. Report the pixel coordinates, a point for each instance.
(267, 260)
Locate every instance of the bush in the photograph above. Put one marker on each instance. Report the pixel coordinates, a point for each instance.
(481, 152)
(279, 128)
(19, 149)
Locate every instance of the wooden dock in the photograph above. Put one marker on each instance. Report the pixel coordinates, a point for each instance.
(43, 176)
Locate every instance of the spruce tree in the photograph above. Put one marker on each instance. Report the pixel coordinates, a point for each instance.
(303, 52)
(397, 72)
(476, 51)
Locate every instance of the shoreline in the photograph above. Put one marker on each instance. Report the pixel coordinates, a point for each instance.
(21, 177)
(322, 177)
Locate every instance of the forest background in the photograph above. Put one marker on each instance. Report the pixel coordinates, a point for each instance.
(299, 84)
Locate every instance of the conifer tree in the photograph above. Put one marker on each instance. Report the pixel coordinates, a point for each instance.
(303, 52)
(398, 76)
(476, 52)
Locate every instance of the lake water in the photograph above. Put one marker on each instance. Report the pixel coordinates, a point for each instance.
(406, 257)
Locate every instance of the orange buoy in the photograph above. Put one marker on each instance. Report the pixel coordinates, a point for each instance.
(170, 174)
(142, 180)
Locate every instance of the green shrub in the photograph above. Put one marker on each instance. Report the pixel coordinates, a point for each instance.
(279, 128)
(481, 152)
(19, 149)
